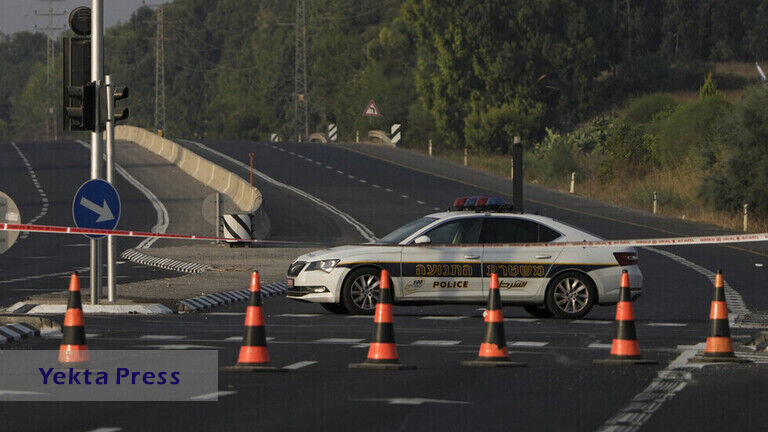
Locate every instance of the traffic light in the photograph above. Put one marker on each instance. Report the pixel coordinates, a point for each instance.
(77, 72)
(82, 117)
(119, 94)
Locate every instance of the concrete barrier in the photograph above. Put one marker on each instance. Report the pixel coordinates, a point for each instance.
(379, 137)
(247, 198)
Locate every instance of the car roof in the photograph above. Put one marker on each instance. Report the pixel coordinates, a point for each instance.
(570, 232)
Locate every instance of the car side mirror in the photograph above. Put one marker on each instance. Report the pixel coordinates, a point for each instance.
(422, 240)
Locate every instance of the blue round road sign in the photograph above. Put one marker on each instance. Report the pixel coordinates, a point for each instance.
(96, 205)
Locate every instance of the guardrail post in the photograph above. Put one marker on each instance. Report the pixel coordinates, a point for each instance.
(357, 136)
(655, 201)
(430, 147)
(746, 206)
(466, 156)
(218, 217)
(573, 181)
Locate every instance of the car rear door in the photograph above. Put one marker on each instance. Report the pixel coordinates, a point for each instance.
(522, 270)
(447, 269)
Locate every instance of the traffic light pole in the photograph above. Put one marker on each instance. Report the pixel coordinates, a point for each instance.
(97, 72)
(111, 294)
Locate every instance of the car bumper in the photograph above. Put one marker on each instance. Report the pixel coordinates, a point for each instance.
(608, 283)
(316, 286)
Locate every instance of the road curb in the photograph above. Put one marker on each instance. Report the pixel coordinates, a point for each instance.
(137, 257)
(224, 298)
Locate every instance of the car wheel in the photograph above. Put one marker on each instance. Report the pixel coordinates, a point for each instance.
(361, 291)
(571, 295)
(336, 308)
(539, 311)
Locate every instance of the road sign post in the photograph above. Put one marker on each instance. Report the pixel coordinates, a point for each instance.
(97, 72)
(110, 129)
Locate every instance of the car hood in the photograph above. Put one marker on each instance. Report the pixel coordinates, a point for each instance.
(346, 252)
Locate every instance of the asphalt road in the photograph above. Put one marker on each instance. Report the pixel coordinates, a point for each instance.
(560, 389)
(44, 190)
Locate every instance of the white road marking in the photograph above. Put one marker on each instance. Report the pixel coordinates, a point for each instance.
(525, 320)
(598, 322)
(162, 337)
(404, 196)
(282, 149)
(106, 429)
(436, 342)
(19, 392)
(299, 365)
(240, 339)
(655, 324)
(599, 345)
(177, 347)
(298, 315)
(339, 341)
(362, 345)
(40, 191)
(443, 318)
(413, 401)
(318, 163)
(388, 190)
(531, 344)
(340, 172)
(665, 386)
(329, 167)
(362, 181)
(420, 202)
(161, 213)
(350, 176)
(376, 186)
(212, 396)
(27, 278)
(436, 208)
(364, 231)
(360, 317)
(226, 313)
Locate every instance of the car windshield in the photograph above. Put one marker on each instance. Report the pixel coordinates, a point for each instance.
(405, 231)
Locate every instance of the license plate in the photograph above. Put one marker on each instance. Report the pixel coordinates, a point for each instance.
(289, 282)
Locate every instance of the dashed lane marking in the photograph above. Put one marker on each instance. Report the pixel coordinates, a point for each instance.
(443, 318)
(40, 191)
(420, 202)
(213, 396)
(436, 342)
(340, 172)
(298, 315)
(359, 317)
(597, 322)
(388, 189)
(655, 324)
(106, 429)
(404, 196)
(162, 337)
(329, 167)
(339, 341)
(530, 344)
(240, 339)
(299, 365)
(599, 345)
(177, 347)
(376, 186)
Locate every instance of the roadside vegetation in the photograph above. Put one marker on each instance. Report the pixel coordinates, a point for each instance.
(634, 97)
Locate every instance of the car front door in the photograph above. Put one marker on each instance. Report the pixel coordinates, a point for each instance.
(521, 270)
(449, 267)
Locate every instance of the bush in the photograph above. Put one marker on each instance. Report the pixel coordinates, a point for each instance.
(687, 128)
(645, 108)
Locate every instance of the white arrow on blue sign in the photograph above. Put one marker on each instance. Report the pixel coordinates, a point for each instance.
(96, 205)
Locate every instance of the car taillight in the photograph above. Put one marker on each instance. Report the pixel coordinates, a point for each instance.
(626, 258)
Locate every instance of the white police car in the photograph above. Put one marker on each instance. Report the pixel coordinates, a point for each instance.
(448, 258)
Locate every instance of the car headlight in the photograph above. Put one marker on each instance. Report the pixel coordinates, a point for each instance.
(324, 265)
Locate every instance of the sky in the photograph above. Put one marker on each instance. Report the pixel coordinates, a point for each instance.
(18, 15)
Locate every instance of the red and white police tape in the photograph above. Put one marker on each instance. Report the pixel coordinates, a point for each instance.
(670, 241)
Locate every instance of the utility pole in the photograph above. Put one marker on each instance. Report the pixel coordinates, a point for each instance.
(159, 66)
(97, 75)
(301, 88)
(50, 60)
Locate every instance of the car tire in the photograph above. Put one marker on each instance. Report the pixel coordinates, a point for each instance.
(571, 295)
(336, 308)
(360, 292)
(539, 311)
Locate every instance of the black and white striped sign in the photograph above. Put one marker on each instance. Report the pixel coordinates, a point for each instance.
(395, 133)
(237, 226)
(274, 138)
(333, 132)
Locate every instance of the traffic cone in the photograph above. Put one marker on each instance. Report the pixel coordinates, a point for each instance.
(253, 355)
(719, 347)
(625, 348)
(382, 354)
(73, 351)
(493, 350)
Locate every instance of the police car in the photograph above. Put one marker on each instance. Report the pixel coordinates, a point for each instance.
(448, 257)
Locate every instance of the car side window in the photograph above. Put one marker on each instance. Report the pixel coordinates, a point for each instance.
(461, 231)
(514, 230)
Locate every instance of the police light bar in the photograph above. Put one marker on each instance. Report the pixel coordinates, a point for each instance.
(480, 203)
(459, 203)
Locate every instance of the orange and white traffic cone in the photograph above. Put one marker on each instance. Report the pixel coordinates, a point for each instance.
(719, 347)
(73, 351)
(254, 355)
(382, 354)
(625, 348)
(493, 350)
